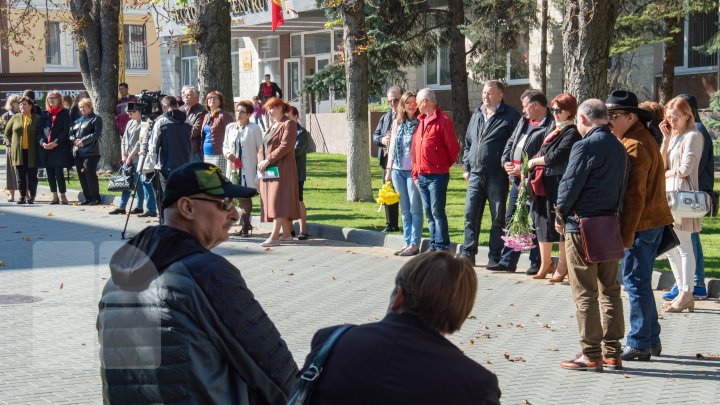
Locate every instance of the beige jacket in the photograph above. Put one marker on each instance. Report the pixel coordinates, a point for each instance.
(682, 165)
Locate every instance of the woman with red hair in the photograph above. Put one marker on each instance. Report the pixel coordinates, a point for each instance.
(213, 130)
(553, 157)
(278, 173)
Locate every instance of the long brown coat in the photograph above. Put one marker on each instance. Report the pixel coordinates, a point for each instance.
(280, 196)
(14, 131)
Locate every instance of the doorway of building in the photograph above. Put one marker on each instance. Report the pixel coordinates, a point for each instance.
(292, 82)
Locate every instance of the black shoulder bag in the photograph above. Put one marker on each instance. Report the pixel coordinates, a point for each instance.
(303, 389)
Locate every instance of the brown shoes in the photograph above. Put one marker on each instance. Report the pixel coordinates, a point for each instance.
(582, 363)
(612, 363)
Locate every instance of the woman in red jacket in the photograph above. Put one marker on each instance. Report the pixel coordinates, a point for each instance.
(213, 130)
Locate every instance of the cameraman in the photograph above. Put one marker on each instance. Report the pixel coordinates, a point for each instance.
(130, 152)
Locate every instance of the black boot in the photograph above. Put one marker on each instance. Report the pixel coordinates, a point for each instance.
(391, 218)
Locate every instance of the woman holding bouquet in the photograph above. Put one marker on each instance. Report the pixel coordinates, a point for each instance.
(399, 169)
(243, 140)
(553, 157)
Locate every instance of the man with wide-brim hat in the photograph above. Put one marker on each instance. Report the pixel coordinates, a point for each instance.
(645, 213)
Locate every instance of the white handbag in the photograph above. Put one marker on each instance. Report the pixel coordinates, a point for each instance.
(688, 203)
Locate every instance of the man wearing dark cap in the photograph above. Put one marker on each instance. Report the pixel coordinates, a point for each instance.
(643, 216)
(177, 323)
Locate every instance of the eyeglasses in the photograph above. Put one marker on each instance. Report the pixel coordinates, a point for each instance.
(393, 100)
(226, 204)
(556, 111)
(212, 98)
(612, 116)
(52, 98)
(240, 112)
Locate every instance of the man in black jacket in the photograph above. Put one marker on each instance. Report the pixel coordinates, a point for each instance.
(490, 127)
(177, 323)
(405, 359)
(526, 139)
(592, 186)
(195, 115)
(381, 137)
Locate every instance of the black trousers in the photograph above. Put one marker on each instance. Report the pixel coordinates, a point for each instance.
(27, 179)
(56, 179)
(159, 183)
(87, 174)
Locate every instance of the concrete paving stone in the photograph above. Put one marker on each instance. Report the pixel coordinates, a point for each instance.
(49, 348)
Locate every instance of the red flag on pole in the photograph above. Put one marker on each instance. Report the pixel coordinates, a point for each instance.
(277, 14)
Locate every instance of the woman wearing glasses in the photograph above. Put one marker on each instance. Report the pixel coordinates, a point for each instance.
(278, 180)
(554, 156)
(243, 140)
(213, 130)
(681, 149)
(55, 143)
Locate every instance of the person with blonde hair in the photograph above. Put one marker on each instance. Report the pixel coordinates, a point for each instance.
(681, 149)
(406, 358)
(85, 136)
(55, 143)
(12, 107)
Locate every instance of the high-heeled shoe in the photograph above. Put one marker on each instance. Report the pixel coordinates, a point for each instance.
(690, 306)
(543, 272)
(557, 277)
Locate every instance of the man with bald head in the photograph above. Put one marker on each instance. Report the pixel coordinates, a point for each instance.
(592, 186)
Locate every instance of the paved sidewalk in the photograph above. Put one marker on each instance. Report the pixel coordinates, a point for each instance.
(58, 254)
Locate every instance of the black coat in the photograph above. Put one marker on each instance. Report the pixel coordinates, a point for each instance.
(534, 140)
(301, 150)
(399, 360)
(706, 171)
(484, 144)
(593, 182)
(382, 129)
(89, 132)
(60, 156)
(557, 150)
(276, 91)
(177, 324)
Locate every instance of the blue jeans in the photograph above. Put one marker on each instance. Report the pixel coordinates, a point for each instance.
(125, 196)
(509, 256)
(259, 121)
(699, 260)
(433, 190)
(637, 267)
(410, 206)
(151, 205)
(483, 187)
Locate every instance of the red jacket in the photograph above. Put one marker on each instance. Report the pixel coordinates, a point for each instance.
(434, 144)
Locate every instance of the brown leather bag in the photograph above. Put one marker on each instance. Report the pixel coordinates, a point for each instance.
(601, 239)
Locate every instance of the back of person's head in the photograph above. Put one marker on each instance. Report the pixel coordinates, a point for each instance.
(692, 101)
(534, 96)
(81, 95)
(438, 288)
(29, 94)
(170, 102)
(594, 110)
(426, 94)
(654, 108)
(294, 111)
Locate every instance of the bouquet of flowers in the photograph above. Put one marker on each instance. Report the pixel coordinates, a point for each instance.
(387, 195)
(519, 233)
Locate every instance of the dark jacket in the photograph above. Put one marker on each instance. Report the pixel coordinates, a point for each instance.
(382, 129)
(88, 130)
(594, 178)
(706, 172)
(399, 360)
(195, 117)
(557, 151)
(276, 92)
(171, 141)
(485, 144)
(534, 140)
(644, 203)
(301, 150)
(178, 324)
(60, 134)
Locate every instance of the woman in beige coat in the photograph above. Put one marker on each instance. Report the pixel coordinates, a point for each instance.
(243, 141)
(681, 150)
(279, 191)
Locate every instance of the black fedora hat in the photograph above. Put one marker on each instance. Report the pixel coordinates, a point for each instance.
(626, 101)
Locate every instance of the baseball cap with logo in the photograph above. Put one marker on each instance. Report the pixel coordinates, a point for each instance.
(200, 177)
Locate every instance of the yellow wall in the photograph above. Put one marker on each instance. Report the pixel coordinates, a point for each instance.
(31, 59)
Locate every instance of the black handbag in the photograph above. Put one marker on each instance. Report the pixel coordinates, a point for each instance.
(668, 241)
(122, 181)
(303, 389)
(715, 199)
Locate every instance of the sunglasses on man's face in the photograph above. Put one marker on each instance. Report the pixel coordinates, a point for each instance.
(226, 204)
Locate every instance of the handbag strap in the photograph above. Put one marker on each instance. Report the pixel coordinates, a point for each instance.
(682, 150)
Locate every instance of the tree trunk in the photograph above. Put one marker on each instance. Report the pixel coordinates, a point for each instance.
(667, 80)
(543, 45)
(96, 31)
(588, 27)
(211, 30)
(458, 70)
(356, 74)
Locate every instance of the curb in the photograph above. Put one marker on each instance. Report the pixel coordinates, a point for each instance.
(661, 280)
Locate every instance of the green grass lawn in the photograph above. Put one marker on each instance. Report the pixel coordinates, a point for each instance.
(325, 199)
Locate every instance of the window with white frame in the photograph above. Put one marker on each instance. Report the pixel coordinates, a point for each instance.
(189, 65)
(437, 67)
(268, 58)
(59, 46)
(518, 66)
(135, 47)
(235, 62)
(696, 30)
